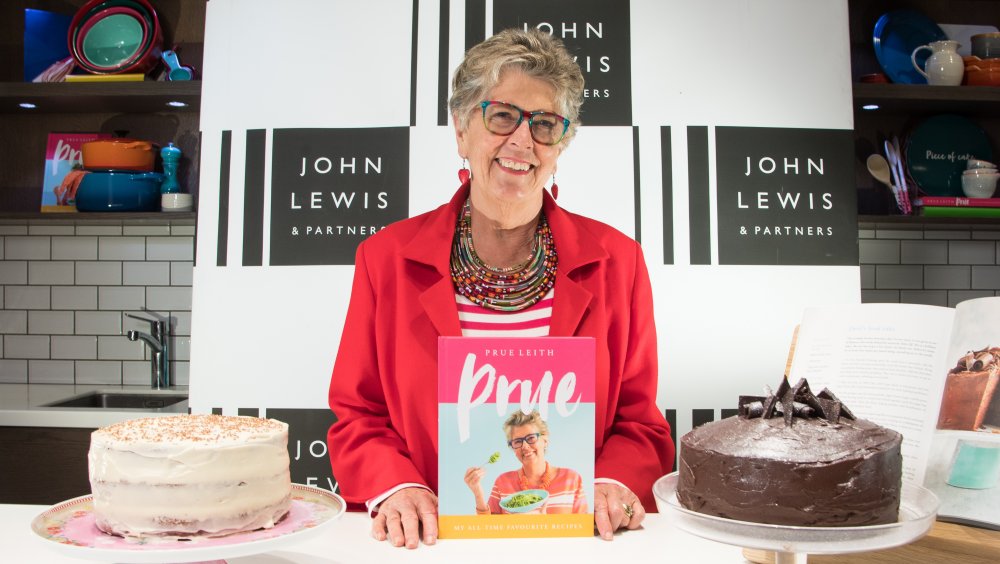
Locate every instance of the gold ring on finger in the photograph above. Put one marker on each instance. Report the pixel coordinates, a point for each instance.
(627, 508)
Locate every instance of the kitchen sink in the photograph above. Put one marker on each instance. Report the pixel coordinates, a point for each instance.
(120, 400)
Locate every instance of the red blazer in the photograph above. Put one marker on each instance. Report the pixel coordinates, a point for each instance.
(384, 385)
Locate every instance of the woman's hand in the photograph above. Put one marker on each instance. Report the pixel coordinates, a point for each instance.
(472, 478)
(609, 509)
(403, 513)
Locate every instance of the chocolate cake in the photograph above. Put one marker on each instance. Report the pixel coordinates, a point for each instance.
(792, 458)
(969, 389)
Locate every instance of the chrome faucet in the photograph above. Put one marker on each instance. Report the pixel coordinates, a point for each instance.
(158, 341)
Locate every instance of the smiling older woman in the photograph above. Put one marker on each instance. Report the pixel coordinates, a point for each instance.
(528, 437)
(486, 264)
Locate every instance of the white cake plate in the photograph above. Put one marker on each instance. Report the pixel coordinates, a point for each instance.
(68, 527)
(917, 510)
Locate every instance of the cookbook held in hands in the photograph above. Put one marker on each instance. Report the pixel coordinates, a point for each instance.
(516, 436)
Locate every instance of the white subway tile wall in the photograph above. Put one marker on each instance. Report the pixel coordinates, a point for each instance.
(64, 290)
(929, 266)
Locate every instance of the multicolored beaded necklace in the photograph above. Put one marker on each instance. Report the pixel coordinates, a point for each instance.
(502, 289)
(543, 483)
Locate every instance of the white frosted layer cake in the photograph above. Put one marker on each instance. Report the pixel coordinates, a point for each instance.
(189, 475)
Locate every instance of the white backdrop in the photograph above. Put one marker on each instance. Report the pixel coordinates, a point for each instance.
(266, 336)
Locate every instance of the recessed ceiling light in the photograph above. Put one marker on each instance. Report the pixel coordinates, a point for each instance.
(870, 107)
(27, 105)
(177, 104)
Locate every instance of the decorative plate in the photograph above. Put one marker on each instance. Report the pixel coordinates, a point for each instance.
(938, 149)
(69, 528)
(897, 34)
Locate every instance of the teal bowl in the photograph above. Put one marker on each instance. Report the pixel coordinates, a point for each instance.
(119, 191)
(518, 502)
(112, 40)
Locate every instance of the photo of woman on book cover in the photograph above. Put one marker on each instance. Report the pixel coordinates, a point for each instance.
(528, 439)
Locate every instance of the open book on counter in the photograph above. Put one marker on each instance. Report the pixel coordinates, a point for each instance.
(928, 372)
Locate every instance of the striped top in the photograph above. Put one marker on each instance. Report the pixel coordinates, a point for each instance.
(477, 321)
(565, 492)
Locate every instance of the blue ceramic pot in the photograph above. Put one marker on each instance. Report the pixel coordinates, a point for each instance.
(124, 191)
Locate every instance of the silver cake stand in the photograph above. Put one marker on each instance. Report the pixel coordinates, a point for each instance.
(917, 511)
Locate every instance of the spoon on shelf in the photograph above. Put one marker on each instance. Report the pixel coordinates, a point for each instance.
(879, 168)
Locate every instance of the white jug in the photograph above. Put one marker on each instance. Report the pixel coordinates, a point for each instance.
(944, 67)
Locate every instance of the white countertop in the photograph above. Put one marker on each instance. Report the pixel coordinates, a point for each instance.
(21, 406)
(347, 541)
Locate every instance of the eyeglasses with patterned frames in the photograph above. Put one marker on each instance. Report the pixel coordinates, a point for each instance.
(519, 442)
(502, 118)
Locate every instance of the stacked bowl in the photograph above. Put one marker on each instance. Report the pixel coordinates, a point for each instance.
(979, 179)
(119, 176)
(982, 68)
(115, 36)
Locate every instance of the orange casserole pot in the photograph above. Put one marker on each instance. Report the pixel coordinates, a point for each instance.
(118, 154)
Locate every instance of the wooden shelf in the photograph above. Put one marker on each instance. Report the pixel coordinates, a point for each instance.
(98, 218)
(918, 222)
(922, 98)
(112, 97)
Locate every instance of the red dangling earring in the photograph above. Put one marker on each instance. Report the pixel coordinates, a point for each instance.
(464, 174)
(555, 188)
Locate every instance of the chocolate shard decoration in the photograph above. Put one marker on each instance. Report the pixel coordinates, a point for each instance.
(831, 409)
(788, 405)
(794, 401)
(844, 411)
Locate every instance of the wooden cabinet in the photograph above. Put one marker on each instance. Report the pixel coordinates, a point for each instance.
(43, 465)
(902, 106)
(138, 109)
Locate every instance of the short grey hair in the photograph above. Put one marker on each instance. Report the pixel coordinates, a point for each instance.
(520, 418)
(533, 52)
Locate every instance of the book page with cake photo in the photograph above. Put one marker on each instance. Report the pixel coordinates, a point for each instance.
(516, 437)
(928, 372)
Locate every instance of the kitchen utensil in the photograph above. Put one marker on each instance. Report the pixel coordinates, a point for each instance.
(944, 67)
(897, 33)
(986, 45)
(937, 151)
(171, 157)
(904, 187)
(176, 71)
(980, 185)
(879, 168)
(890, 155)
(118, 154)
(119, 192)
